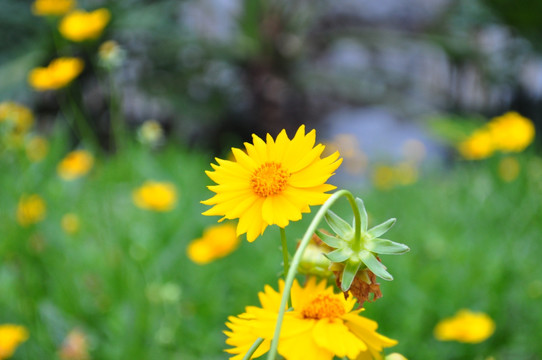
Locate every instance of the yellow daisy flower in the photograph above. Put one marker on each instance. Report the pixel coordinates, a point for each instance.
(10, 337)
(272, 183)
(58, 74)
(76, 164)
(31, 210)
(52, 7)
(154, 195)
(466, 327)
(17, 117)
(216, 242)
(80, 25)
(479, 145)
(321, 325)
(511, 132)
(70, 223)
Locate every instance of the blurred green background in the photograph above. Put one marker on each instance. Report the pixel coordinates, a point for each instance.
(391, 85)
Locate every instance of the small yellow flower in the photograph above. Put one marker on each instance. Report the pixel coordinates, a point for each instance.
(30, 210)
(75, 346)
(216, 242)
(37, 148)
(58, 74)
(70, 223)
(478, 146)
(383, 177)
(395, 356)
(150, 133)
(272, 183)
(321, 325)
(156, 196)
(511, 132)
(76, 164)
(466, 326)
(509, 169)
(80, 25)
(10, 338)
(17, 117)
(52, 7)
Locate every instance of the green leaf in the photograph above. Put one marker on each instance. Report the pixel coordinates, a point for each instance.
(339, 255)
(363, 214)
(341, 227)
(329, 240)
(383, 246)
(382, 228)
(349, 272)
(374, 265)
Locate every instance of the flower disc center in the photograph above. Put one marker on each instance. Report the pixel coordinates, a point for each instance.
(269, 179)
(323, 306)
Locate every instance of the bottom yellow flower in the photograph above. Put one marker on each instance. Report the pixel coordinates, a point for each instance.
(466, 326)
(321, 325)
(216, 242)
(11, 336)
(154, 195)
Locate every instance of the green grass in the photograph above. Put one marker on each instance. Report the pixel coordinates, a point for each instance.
(126, 281)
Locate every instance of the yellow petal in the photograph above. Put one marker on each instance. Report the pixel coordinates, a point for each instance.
(334, 336)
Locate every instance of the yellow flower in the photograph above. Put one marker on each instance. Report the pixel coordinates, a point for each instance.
(383, 177)
(150, 133)
(70, 223)
(58, 74)
(216, 242)
(17, 117)
(477, 146)
(76, 164)
(509, 169)
(30, 210)
(80, 25)
(395, 356)
(511, 132)
(37, 148)
(466, 327)
(320, 326)
(272, 183)
(10, 337)
(52, 7)
(154, 195)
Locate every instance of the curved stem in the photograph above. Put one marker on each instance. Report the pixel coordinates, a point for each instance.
(253, 349)
(285, 254)
(297, 258)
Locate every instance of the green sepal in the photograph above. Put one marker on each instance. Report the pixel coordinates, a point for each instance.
(383, 246)
(374, 265)
(382, 228)
(362, 214)
(341, 227)
(328, 239)
(349, 272)
(339, 255)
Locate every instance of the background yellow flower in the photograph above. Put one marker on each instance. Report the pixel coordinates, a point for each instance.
(30, 210)
(80, 25)
(76, 164)
(511, 132)
(70, 223)
(52, 7)
(156, 196)
(465, 326)
(58, 74)
(37, 148)
(10, 338)
(217, 241)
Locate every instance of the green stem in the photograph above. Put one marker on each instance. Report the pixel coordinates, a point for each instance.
(297, 258)
(285, 253)
(253, 349)
(358, 241)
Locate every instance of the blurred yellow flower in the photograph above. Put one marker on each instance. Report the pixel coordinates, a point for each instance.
(150, 133)
(509, 169)
(320, 326)
(80, 25)
(30, 210)
(466, 326)
(477, 146)
(383, 177)
(272, 183)
(511, 132)
(17, 117)
(76, 164)
(395, 356)
(70, 223)
(58, 74)
(154, 195)
(52, 7)
(10, 338)
(217, 241)
(74, 346)
(37, 148)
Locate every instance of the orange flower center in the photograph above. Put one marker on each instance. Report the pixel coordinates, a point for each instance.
(269, 179)
(323, 306)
